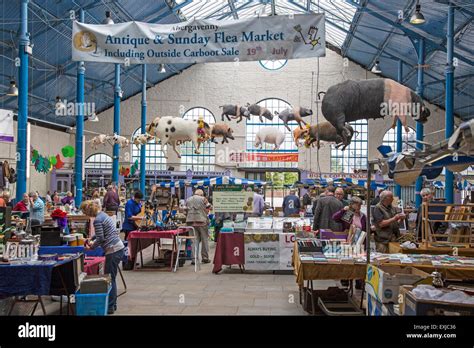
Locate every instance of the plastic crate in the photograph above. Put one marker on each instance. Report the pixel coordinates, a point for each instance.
(92, 304)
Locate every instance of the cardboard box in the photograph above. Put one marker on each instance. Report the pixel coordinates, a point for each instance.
(383, 282)
(415, 306)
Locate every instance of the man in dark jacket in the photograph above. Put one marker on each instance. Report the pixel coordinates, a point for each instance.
(325, 209)
(111, 200)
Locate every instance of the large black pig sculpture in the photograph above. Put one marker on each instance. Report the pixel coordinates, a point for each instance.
(374, 98)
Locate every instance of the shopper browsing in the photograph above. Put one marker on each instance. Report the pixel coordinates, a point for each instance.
(107, 237)
(386, 219)
(258, 203)
(111, 199)
(197, 216)
(69, 199)
(24, 204)
(36, 209)
(132, 208)
(326, 207)
(351, 215)
(291, 204)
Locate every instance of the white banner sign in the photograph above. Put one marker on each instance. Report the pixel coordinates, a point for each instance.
(232, 201)
(287, 242)
(268, 251)
(6, 126)
(202, 40)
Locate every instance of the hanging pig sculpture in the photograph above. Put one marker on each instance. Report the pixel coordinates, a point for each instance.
(323, 131)
(176, 130)
(269, 135)
(236, 111)
(221, 130)
(257, 110)
(296, 114)
(374, 98)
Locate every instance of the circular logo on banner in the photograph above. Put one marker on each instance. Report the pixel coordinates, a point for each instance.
(85, 41)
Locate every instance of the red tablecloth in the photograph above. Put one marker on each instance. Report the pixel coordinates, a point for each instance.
(226, 252)
(94, 265)
(147, 238)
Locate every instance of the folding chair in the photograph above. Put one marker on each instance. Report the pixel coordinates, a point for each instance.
(180, 240)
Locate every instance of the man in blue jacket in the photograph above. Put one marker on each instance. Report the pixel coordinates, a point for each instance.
(132, 208)
(291, 204)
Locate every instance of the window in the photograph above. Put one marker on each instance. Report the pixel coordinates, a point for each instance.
(98, 161)
(355, 155)
(273, 64)
(155, 158)
(205, 161)
(390, 139)
(254, 125)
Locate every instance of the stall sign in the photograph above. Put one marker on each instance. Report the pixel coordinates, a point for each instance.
(6, 126)
(263, 157)
(233, 201)
(201, 40)
(262, 251)
(287, 242)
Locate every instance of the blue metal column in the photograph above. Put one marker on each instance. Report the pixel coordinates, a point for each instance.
(398, 188)
(419, 125)
(450, 97)
(22, 103)
(116, 153)
(143, 131)
(79, 127)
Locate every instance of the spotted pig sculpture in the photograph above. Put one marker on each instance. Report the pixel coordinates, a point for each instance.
(176, 130)
(296, 114)
(374, 98)
(269, 135)
(236, 111)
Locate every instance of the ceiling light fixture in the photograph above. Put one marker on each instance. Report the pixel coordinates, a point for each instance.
(108, 18)
(59, 106)
(376, 69)
(13, 90)
(161, 69)
(417, 18)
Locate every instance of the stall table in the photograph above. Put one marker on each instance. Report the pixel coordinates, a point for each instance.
(20, 280)
(94, 265)
(140, 240)
(395, 248)
(310, 270)
(225, 255)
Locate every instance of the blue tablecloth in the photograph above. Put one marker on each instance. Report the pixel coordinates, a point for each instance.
(24, 279)
(65, 249)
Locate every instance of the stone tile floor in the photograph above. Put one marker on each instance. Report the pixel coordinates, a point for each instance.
(185, 292)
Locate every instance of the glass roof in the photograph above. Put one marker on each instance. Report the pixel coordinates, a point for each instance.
(339, 14)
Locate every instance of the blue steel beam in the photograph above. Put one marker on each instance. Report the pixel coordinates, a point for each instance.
(353, 28)
(419, 125)
(398, 188)
(78, 160)
(232, 7)
(116, 151)
(449, 103)
(407, 9)
(22, 102)
(143, 131)
(436, 42)
(245, 5)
